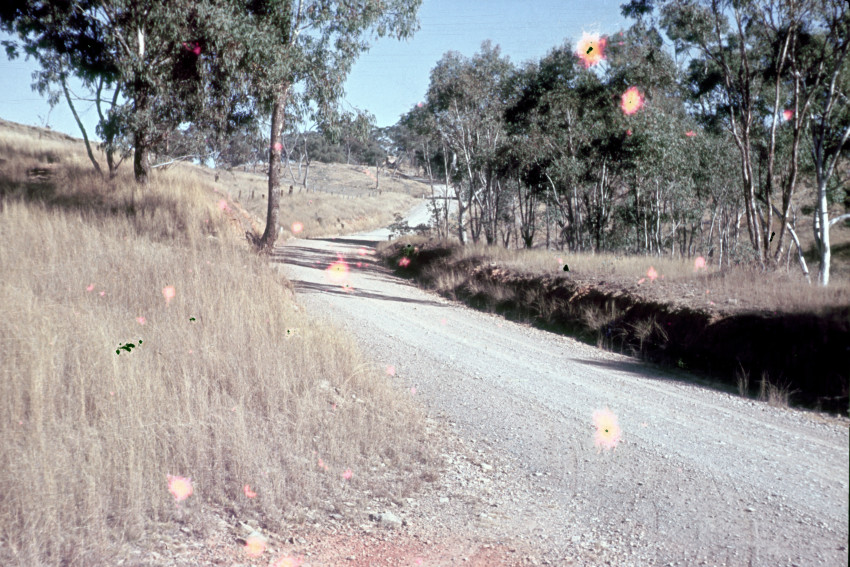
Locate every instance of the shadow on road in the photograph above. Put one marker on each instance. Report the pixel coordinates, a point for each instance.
(321, 259)
(654, 371)
(301, 285)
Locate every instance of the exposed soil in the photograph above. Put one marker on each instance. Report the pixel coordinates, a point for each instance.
(675, 323)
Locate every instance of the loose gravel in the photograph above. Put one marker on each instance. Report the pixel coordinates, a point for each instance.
(700, 477)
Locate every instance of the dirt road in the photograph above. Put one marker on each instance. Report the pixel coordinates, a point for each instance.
(700, 477)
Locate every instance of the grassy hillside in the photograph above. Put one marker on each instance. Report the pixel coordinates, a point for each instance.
(143, 344)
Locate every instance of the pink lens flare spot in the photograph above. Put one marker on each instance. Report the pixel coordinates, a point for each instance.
(222, 204)
(690, 134)
(359, 264)
(631, 101)
(443, 321)
(608, 432)
(347, 474)
(338, 271)
(255, 544)
(248, 492)
(180, 487)
(297, 227)
(194, 47)
(699, 263)
(419, 105)
(278, 147)
(102, 293)
(787, 114)
(363, 251)
(168, 292)
(89, 288)
(629, 132)
(391, 370)
(591, 49)
(404, 262)
(640, 281)
(140, 320)
(651, 274)
(413, 391)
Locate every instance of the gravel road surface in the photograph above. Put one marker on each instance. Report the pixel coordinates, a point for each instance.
(700, 477)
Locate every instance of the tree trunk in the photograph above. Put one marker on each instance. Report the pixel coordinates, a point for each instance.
(267, 241)
(80, 125)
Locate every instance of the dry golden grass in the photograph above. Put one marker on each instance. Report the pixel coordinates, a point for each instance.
(343, 202)
(91, 431)
(785, 290)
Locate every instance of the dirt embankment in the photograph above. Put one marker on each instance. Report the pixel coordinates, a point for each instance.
(766, 353)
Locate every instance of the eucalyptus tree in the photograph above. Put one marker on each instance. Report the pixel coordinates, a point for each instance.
(820, 68)
(295, 55)
(157, 53)
(464, 98)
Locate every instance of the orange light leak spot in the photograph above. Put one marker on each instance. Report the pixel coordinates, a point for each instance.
(651, 274)
(338, 271)
(255, 545)
(608, 432)
(287, 561)
(168, 292)
(699, 263)
(347, 474)
(180, 487)
(591, 49)
(787, 114)
(632, 101)
(248, 492)
(297, 227)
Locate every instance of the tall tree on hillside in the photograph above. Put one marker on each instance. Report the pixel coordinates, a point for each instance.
(820, 68)
(153, 51)
(299, 53)
(773, 69)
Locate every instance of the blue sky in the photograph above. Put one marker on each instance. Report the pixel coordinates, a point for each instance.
(393, 76)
